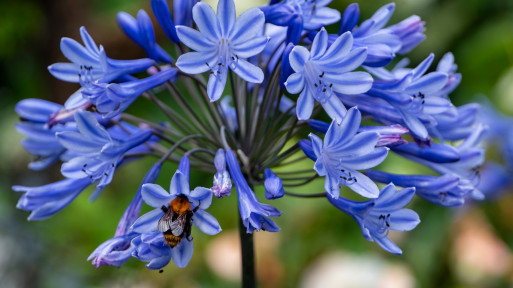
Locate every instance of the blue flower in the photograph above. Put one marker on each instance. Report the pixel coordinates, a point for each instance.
(221, 43)
(44, 201)
(343, 152)
(151, 247)
(155, 196)
(141, 31)
(415, 95)
(222, 182)
(466, 166)
(322, 71)
(41, 141)
(273, 185)
(99, 152)
(388, 135)
(111, 99)
(115, 251)
(382, 43)
(444, 190)
(90, 55)
(253, 213)
(378, 216)
(299, 15)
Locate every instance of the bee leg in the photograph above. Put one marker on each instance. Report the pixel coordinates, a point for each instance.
(189, 237)
(164, 208)
(197, 207)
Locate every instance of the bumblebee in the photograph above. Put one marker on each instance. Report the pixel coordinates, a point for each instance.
(177, 220)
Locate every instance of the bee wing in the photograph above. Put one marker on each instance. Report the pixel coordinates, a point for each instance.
(166, 222)
(178, 225)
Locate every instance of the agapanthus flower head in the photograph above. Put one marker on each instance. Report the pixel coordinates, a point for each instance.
(378, 216)
(222, 43)
(324, 70)
(343, 152)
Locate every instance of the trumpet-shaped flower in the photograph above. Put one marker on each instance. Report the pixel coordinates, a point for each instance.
(343, 152)
(110, 99)
(378, 216)
(90, 55)
(222, 43)
(322, 71)
(253, 213)
(99, 152)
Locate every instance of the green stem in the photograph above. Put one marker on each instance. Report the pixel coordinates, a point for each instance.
(248, 257)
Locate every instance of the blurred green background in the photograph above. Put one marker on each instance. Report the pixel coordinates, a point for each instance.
(318, 246)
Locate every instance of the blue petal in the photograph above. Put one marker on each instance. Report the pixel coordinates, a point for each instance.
(36, 110)
(216, 84)
(155, 196)
(423, 66)
(248, 71)
(342, 134)
(334, 108)
(197, 62)
(182, 253)
(88, 41)
(161, 11)
(148, 222)
(90, 128)
(323, 16)
(366, 161)
(179, 185)
(388, 245)
(206, 20)
(319, 45)
(364, 185)
(194, 39)
(251, 47)
(350, 61)
(404, 220)
(305, 105)
(76, 53)
(77, 142)
(361, 143)
(414, 124)
(226, 16)
(350, 18)
(206, 223)
(351, 82)
(247, 25)
(295, 83)
(429, 83)
(67, 72)
(298, 58)
(203, 195)
(391, 199)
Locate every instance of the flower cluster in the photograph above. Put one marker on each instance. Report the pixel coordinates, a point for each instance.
(245, 100)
